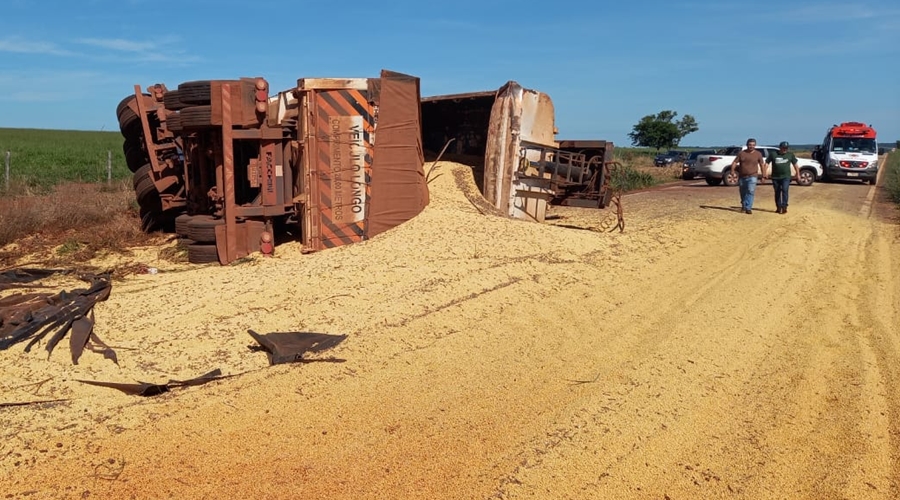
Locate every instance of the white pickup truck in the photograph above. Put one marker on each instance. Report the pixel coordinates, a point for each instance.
(716, 168)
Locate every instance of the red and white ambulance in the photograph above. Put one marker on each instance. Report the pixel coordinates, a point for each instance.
(849, 151)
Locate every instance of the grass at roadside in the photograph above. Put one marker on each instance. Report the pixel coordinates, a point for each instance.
(892, 176)
(77, 220)
(40, 159)
(640, 172)
(628, 178)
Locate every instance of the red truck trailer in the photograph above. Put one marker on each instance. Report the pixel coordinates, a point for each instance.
(230, 168)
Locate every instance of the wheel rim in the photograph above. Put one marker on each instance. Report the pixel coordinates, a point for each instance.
(806, 177)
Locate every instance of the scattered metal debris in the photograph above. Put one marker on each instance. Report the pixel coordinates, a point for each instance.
(428, 178)
(22, 277)
(33, 316)
(288, 347)
(30, 403)
(618, 170)
(148, 389)
(617, 220)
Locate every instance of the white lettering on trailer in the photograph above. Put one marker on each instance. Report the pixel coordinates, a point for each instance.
(348, 168)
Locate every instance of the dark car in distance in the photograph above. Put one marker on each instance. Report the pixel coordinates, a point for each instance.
(669, 158)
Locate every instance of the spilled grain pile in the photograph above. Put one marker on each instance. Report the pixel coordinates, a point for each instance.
(184, 321)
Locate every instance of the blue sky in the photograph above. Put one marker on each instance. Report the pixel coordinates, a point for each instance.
(772, 70)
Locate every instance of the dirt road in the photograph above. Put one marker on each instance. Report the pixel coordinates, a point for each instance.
(702, 353)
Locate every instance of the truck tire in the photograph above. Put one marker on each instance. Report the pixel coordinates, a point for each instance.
(145, 189)
(196, 117)
(145, 192)
(197, 92)
(199, 253)
(807, 177)
(173, 123)
(127, 113)
(129, 124)
(127, 107)
(181, 225)
(135, 156)
(140, 174)
(172, 101)
(687, 176)
(713, 181)
(202, 228)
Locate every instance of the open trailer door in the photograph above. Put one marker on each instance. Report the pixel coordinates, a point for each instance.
(398, 187)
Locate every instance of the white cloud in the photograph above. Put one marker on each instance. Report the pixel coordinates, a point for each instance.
(44, 86)
(163, 50)
(21, 46)
(118, 44)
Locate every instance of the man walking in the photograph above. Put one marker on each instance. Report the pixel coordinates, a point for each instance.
(784, 168)
(750, 163)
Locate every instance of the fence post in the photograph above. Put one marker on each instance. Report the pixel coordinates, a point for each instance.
(7, 170)
(109, 167)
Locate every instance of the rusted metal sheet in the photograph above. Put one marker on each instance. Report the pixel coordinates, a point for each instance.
(589, 148)
(242, 99)
(33, 316)
(398, 185)
(289, 347)
(332, 83)
(537, 122)
(148, 389)
(518, 114)
(460, 97)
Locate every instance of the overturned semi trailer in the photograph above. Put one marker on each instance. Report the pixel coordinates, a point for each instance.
(229, 168)
(509, 136)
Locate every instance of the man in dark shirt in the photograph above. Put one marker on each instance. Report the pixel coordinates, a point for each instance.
(784, 168)
(750, 163)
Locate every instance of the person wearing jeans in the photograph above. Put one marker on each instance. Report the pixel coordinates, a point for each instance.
(784, 168)
(747, 188)
(750, 164)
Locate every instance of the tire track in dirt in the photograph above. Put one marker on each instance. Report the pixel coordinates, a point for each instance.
(767, 428)
(613, 366)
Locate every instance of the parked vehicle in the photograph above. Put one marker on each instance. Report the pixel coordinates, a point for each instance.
(716, 168)
(688, 168)
(849, 151)
(669, 158)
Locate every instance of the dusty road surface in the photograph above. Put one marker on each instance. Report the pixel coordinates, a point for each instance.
(702, 353)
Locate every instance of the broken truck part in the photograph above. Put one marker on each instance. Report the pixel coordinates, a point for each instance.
(289, 347)
(34, 316)
(509, 136)
(229, 167)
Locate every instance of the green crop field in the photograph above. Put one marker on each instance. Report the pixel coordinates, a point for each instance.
(43, 158)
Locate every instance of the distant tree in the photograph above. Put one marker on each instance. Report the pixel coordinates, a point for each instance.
(661, 130)
(898, 144)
